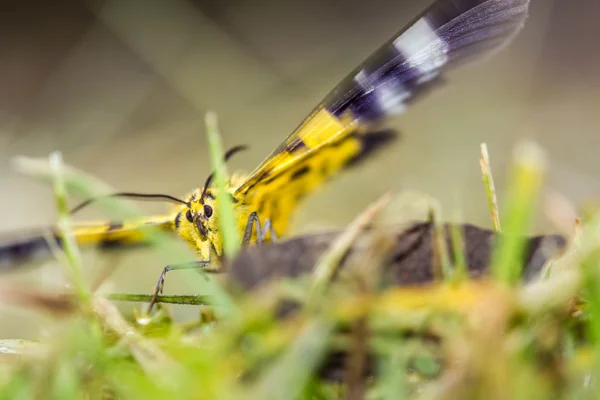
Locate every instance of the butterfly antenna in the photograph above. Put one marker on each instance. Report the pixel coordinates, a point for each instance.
(139, 196)
(228, 154)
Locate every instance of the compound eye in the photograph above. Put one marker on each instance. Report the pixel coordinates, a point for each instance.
(208, 211)
(189, 216)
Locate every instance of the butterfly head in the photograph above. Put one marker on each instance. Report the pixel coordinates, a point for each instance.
(197, 221)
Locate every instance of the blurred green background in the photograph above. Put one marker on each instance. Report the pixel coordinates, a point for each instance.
(121, 88)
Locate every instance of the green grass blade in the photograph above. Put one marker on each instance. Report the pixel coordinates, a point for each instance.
(227, 220)
(289, 375)
(524, 187)
(193, 300)
(393, 373)
(70, 248)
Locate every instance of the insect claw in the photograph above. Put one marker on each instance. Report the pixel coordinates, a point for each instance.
(159, 287)
(261, 231)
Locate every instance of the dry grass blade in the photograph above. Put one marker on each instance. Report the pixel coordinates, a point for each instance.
(20, 347)
(58, 305)
(331, 260)
(367, 270)
(441, 257)
(490, 189)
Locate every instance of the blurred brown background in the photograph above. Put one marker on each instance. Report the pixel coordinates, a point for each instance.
(121, 88)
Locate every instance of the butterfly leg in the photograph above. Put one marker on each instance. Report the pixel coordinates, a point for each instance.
(261, 232)
(161, 280)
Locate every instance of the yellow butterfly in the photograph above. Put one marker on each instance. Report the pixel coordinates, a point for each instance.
(341, 131)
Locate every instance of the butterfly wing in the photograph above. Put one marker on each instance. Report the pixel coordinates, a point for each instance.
(448, 33)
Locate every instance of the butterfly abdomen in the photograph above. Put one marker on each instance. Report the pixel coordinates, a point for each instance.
(18, 252)
(104, 235)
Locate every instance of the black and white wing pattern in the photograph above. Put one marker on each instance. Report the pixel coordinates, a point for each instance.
(448, 33)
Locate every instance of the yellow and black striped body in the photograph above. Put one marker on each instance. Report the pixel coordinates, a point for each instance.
(103, 234)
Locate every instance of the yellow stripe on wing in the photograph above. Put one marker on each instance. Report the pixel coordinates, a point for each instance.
(317, 130)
